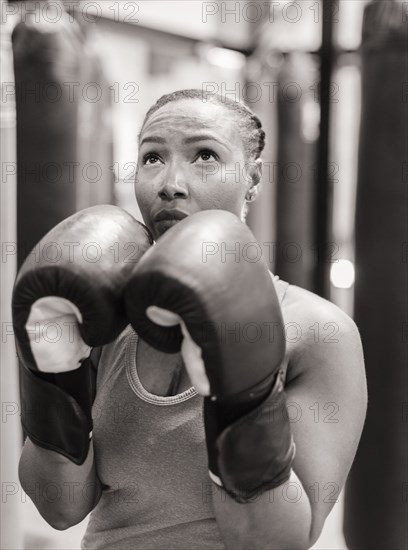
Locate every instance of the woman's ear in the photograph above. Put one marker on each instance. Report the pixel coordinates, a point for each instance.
(254, 174)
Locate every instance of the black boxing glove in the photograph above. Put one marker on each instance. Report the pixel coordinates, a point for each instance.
(199, 275)
(68, 299)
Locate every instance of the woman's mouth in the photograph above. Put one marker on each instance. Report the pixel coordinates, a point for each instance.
(167, 218)
(169, 215)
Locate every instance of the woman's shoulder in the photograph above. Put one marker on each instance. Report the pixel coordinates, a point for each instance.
(306, 305)
(315, 330)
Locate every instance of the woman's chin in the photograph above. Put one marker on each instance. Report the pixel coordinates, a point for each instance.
(163, 225)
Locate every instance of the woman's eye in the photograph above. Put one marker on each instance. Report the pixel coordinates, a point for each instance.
(150, 158)
(207, 155)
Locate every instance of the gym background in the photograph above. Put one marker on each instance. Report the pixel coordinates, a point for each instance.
(329, 80)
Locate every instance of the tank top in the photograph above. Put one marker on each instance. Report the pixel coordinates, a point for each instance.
(151, 458)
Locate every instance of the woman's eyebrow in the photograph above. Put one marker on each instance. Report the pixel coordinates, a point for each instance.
(152, 139)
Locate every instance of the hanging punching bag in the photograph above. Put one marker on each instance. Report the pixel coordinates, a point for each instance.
(295, 171)
(95, 131)
(47, 55)
(376, 514)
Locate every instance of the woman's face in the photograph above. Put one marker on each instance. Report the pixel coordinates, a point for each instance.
(191, 158)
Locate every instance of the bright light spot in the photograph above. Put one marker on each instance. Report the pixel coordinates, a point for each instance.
(310, 120)
(224, 58)
(342, 274)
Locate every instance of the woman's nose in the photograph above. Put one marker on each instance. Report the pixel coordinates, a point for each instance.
(174, 185)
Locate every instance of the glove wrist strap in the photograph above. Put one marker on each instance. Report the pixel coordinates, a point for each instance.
(256, 452)
(56, 409)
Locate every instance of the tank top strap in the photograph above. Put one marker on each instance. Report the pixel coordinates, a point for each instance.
(280, 286)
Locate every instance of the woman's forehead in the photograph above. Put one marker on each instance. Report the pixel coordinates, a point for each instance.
(190, 115)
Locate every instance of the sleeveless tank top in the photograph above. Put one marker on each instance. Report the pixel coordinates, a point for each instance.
(151, 458)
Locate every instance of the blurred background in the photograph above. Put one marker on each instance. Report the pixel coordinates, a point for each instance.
(329, 80)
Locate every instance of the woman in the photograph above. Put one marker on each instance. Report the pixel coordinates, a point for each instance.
(145, 478)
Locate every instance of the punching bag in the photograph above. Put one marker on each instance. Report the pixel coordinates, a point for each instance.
(295, 170)
(95, 131)
(47, 56)
(376, 505)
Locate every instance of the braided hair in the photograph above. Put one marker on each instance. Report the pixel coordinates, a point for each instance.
(250, 126)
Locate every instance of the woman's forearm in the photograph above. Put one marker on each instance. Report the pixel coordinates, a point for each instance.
(276, 519)
(63, 492)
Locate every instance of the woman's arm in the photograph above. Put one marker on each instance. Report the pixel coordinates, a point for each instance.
(326, 402)
(276, 519)
(63, 492)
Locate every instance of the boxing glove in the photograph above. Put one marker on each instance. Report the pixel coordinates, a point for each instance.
(68, 300)
(203, 271)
